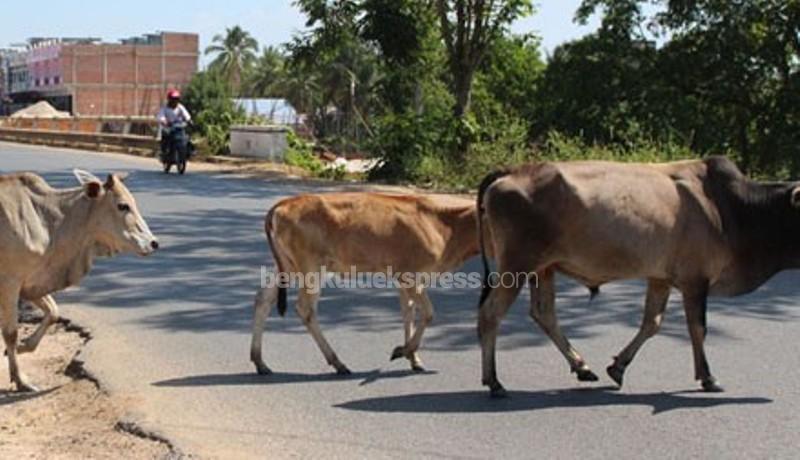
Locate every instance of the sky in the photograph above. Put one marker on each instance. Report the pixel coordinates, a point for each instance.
(271, 22)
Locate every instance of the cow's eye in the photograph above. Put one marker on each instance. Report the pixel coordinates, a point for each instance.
(123, 207)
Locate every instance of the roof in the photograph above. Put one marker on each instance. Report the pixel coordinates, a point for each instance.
(278, 111)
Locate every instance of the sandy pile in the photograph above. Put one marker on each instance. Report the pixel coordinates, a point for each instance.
(41, 109)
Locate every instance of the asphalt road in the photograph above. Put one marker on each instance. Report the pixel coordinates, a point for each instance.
(172, 335)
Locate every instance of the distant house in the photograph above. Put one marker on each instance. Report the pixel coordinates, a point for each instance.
(86, 76)
(276, 111)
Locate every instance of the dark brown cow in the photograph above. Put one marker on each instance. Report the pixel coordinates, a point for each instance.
(699, 226)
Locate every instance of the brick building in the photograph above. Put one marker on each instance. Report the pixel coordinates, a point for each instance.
(87, 77)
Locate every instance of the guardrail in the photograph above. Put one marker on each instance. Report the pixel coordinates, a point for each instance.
(128, 134)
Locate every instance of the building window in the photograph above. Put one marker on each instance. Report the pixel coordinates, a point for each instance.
(46, 81)
(36, 82)
(56, 80)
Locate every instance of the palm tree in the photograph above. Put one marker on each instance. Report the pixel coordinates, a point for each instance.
(235, 52)
(267, 76)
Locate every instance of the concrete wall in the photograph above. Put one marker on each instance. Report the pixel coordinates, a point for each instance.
(127, 79)
(264, 142)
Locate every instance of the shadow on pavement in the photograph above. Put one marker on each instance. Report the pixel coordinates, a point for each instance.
(480, 402)
(13, 397)
(278, 378)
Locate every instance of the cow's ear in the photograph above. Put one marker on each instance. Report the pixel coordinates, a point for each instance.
(93, 189)
(85, 177)
(111, 181)
(795, 200)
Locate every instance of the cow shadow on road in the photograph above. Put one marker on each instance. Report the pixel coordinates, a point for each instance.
(280, 378)
(479, 402)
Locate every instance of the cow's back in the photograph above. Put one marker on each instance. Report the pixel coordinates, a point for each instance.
(23, 228)
(602, 220)
(368, 231)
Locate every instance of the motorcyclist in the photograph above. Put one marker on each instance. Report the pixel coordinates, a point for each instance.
(170, 115)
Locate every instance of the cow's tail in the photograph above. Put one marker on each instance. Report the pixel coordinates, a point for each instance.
(269, 228)
(487, 181)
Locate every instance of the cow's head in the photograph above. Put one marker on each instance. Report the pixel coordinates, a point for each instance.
(116, 222)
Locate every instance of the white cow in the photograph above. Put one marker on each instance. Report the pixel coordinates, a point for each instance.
(48, 241)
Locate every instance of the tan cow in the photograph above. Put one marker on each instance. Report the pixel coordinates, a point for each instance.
(369, 233)
(699, 226)
(48, 240)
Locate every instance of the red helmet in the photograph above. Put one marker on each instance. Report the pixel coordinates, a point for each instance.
(173, 94)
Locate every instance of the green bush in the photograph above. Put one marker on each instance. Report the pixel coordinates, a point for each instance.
(559, 147)
(208, 98)
(301, 154)
(507, 148)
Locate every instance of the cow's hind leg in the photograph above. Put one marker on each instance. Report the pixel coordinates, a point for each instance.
(8, 324)
(307, 309)
(491, 312)
(694, 304)
(655, 304)
(418, 298)
(264, 300)
(50, 309)
(543, 312)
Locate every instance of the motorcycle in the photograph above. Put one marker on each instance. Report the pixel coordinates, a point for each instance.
(177, 148)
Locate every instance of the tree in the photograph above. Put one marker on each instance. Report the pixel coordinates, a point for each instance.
(512, 73)
(730, 68)
(235, 52)
(266, 77)
(468, 28)
(208, 99)
(342, 67)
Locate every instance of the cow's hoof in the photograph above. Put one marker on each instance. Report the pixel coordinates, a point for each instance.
(25, 387)
(342, 370)
(497, 391)
(616, 374)
(711, 386)
(586, 375)
(417, 368)
(263, 369)
(398, 352)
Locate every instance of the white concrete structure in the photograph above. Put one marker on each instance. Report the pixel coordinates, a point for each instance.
(265, 142)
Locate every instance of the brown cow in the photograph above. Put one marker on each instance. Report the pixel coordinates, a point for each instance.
(48, 241)
(368, 233)
(699, 226)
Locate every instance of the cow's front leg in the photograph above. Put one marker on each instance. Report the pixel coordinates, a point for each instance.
(543, 312)
(694, 303)
(8, 324)
(50, 308)
(655, 304)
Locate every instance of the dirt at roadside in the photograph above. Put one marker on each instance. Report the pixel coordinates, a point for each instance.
(70, 418)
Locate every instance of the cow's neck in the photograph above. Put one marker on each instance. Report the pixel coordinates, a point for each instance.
(764, 231)
(72, 248)
(462, 225)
